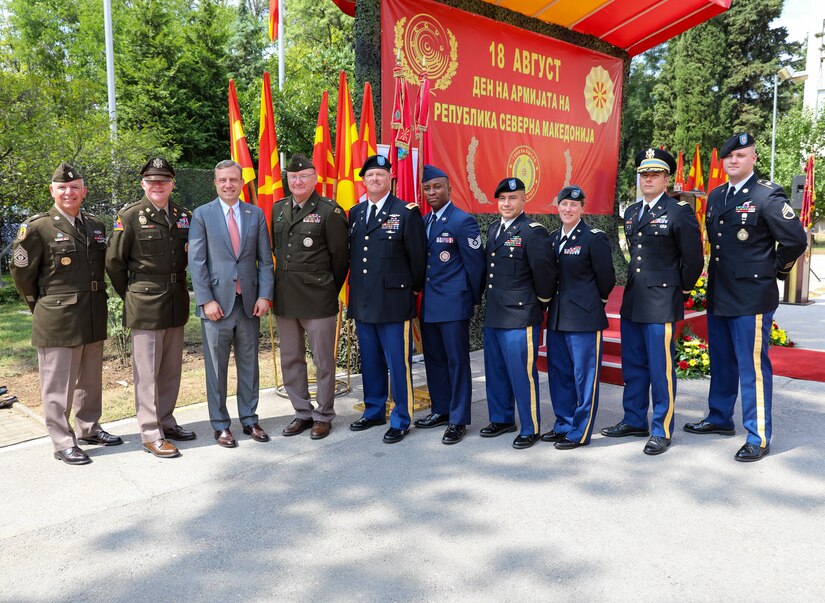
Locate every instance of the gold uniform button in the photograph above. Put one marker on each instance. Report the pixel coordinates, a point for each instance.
(721, 221)
(639, 245)
(493, 254)
(366, 237)
(491, 275)
(639, 258)
(490, 286)
(717, 247)
(492, 265)
(365, 270)
(638, 269)
(366, 248)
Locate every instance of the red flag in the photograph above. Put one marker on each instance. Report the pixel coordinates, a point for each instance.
(350, 187)
(422, 133)
(322, 157)
(270, 180)
(716, 175)
(347, 6)
(696, 181)
(239, 151)
(369, 147)
(401, 147)
(679, 178)
(273, 20)
(808, 194)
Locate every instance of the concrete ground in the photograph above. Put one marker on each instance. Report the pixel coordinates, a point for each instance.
(349, 518)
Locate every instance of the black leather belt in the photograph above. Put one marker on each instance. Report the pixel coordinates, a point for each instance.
(302, 266)
(159, 278)
(80, 288)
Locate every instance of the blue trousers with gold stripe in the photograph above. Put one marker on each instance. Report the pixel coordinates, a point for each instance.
(511, 373)
(648, 370)
(386, 346)
(573, 371)
(738, 347)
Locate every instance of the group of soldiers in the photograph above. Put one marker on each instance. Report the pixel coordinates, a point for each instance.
(402, 265)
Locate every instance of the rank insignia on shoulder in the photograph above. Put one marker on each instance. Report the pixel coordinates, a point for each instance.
(683, 203)
(21, 232)
(118, 224)
(787, 212)
(411, 206)
(596, 230)
(534, 224)
(21, 257)
(765, 183)
(474, 243)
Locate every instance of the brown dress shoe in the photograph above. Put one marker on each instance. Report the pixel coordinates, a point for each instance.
(225, 438)
(320, 430)
(161, 449)
(297, 426)
(257, 432)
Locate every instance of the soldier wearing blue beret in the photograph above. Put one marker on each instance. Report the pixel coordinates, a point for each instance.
(575, 322)
(452, 289)
(665, 261)
(755, 238)
(387, 266)
(521, 280)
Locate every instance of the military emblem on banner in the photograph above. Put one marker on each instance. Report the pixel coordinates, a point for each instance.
(524, 164)
(423, 44)
(599, 94)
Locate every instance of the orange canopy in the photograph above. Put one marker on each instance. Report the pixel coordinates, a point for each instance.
(633, 25)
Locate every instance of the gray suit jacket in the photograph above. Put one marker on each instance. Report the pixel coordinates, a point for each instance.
(212, 263)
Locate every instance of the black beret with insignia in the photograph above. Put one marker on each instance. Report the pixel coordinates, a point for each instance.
(299, 163)
(571, 192)
(65, 173)
(375, 162)
(655, 160)
(157, 166)
(737, 141)
(431, 172)
(509, 185)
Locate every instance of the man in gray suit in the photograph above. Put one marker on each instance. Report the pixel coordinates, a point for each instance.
(230, 262)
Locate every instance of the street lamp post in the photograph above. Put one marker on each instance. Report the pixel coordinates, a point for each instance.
(786, 73)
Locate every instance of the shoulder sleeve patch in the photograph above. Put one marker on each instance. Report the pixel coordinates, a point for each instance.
(118, 223)
(338, 210)
(21, 232)
(411, 206)
(787, 212)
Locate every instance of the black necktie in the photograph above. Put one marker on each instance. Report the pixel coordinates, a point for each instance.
(731, 193)
(431, 222)
(80, 228)
(645, 211)
(500, 232)
(562, 242)
(371, 216)
(165, 212)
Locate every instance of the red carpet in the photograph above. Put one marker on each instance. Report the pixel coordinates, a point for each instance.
(798, 363)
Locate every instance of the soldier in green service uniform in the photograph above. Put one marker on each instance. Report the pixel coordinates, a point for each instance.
(58, 268)
(309, 241)
(146, 262)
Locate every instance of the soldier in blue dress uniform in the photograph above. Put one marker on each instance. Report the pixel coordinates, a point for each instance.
(575, 322)
(755, 238)
(521, 279)
(387, 265)
(665, 260)
(453, 286)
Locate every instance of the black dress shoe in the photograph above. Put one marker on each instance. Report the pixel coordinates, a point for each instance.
(394, 435)
(656, 445)
(565, 444)
(178, 433)
(751, 452)
(620, 430)
(73, 456)
(432, 420)
(705, 426)
(525, 441)
(102, 438)
(365, 423)
(552, 436)
(454, 434)
(496, 429)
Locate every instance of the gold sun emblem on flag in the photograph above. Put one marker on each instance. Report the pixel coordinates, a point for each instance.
(599, 97)
(424, 46)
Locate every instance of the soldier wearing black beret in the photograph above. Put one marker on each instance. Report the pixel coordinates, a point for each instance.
(58, 267)
(575, 322)
(755, 238)
(309, 242)
(665, 260)
(521, 280)
(146, 261)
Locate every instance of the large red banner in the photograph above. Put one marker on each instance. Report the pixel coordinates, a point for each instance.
(507, 102)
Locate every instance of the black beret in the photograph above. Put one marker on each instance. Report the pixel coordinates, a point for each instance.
(655, 160)
(157, 166)
(375, 162)
(298, 163)
(509, 185)
(571, 192)
(738, 141)
(65, 173)
(431, 172)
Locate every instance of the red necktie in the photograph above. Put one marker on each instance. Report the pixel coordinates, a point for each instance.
(235, 239)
